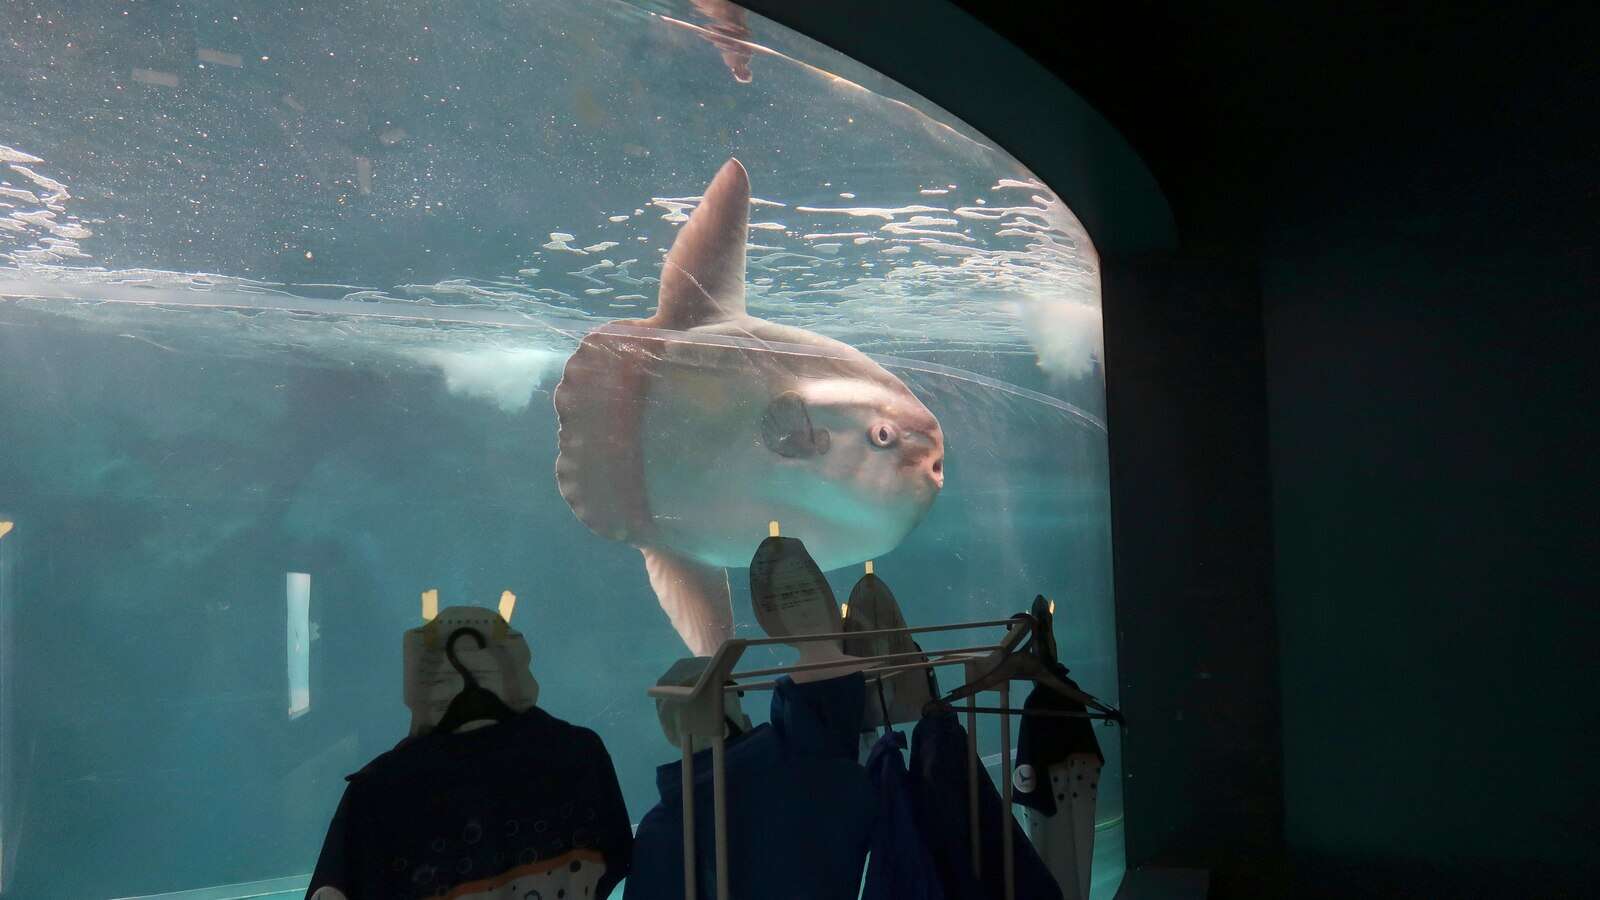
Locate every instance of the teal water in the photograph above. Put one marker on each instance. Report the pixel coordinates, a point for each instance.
(288, 293)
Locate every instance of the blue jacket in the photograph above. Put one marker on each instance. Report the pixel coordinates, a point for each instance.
(901, 867)
(800, 808)
(939, 769)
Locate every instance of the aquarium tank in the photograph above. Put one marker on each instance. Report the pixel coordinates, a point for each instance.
(287, 293)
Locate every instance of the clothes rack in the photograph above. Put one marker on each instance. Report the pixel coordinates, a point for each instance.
(699, 711)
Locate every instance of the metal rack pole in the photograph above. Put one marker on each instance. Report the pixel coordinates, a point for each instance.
(974, 826)
(923, 656)
(686, 741)
(1005, 792)
(719, 799)
(876, 632)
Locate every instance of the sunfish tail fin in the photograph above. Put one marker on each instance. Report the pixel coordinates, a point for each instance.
(695, 597)
(702, 279)
(599, 408)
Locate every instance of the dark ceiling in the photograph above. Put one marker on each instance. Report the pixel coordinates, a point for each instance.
(1240, 107)
(1225, 99)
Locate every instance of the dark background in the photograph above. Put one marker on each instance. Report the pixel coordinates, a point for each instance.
(1351, 393)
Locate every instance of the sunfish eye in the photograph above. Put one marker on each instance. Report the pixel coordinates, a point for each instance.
(883, 434)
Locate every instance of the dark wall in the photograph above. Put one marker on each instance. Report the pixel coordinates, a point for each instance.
(1431, 317)
(1198, 657)
(1431, 342)
(1414, 187)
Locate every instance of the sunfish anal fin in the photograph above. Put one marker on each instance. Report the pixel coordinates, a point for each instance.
(702, 279)
(695, 597)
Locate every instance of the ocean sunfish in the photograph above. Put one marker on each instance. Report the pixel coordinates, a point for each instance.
(684, 434)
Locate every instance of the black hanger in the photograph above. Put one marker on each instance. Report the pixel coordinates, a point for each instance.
(1034, 661)
(1044, 632)
(883, 705)
(475, 701)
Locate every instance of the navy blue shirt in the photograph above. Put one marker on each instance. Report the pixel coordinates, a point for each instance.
(1044, 741)
(939, 768)
(901, 866)
(527, 807)
(800, 808)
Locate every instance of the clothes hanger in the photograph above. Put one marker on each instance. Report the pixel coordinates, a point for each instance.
(1034, 661)
(1043, 613)
(883, 706)
(735, 730)
(475, 702)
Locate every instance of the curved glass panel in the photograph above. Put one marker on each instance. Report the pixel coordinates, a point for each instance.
(284, 296)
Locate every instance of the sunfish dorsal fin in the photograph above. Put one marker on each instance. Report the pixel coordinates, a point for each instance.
(702, 279)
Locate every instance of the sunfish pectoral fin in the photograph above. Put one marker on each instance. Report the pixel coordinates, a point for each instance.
(694, 596)
(787, 430)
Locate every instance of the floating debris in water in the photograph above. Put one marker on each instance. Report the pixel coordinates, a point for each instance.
(560, 240)
(151, 76)
(220, 57)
